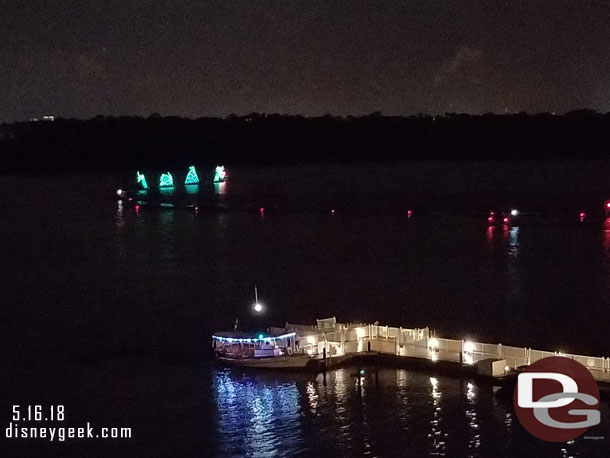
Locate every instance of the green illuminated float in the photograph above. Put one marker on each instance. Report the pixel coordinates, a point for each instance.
(166, 180)
(141, 180)
(220, 175)
(191, 177)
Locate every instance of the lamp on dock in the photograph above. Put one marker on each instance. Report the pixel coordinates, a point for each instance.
(468, 351)
(433, 348)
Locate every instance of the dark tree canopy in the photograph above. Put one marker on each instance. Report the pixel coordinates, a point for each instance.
(126, 143)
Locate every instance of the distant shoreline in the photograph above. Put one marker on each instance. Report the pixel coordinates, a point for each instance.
(129, 143)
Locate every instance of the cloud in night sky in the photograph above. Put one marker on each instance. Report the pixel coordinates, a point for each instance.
(217, 57)
(463, 56)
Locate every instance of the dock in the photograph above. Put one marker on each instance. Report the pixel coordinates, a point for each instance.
(332, 344)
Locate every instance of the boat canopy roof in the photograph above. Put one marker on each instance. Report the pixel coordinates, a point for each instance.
(245, 337)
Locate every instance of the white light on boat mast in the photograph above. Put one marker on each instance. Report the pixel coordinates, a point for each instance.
(258, 307)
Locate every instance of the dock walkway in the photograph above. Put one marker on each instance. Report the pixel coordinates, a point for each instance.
(336, 343)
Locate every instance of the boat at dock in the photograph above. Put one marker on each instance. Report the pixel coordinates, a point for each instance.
(270, 351)
(276, 362)
(329, 344)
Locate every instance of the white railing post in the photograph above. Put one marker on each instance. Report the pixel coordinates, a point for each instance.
(462, 352)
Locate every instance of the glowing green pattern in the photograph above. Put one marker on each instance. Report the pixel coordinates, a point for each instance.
(142, 180)
(192, 177)
(221, 174)
(166, 180)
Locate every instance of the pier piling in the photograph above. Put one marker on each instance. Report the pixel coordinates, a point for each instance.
(461, 365)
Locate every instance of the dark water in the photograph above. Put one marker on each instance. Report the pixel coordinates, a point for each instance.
(109, 311)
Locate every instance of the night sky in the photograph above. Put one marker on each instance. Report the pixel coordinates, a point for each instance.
(213, 58)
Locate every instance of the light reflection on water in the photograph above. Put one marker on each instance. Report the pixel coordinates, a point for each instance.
(498, 268)
(490, 234)
(606, 249)
(505, 242)
(436, 435)
(191, 189)
(197, 270)
(514, 273)
(220, 188)
(513, 241)
(337, 414)
(398, 413)
(471, 414)
(167, 192)
(255, 419)
(607, 236)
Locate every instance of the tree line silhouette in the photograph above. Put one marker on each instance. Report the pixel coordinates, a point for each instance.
(156, 142)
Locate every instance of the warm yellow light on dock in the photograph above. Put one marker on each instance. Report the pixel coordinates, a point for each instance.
(469, 352)
(469, 347)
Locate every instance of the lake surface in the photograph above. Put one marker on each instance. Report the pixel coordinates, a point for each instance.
(109, 311)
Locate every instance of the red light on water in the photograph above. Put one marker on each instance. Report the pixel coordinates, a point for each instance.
(490, 233)
(490, 219)
(582, 216)
(410, 213)
(505, 220)
(262, 209)
(196, 209)
(492, 214)
(607, 204)
(137, 207)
